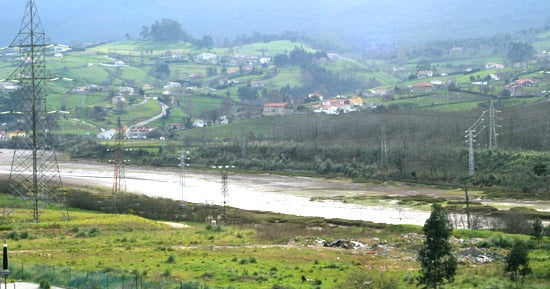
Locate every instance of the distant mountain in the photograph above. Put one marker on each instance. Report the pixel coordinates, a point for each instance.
(358, 21)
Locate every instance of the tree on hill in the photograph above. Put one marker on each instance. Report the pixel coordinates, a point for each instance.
(438, 265)
(166, 30)
(206, 42)
(520, 52)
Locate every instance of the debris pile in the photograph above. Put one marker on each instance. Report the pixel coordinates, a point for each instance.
(474, 255)
(344, 244)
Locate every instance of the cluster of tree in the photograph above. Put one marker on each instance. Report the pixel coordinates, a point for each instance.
(320, 80)
(519, 52)
(258, 37)
(171, 30)
(438, 264)
(298, 56)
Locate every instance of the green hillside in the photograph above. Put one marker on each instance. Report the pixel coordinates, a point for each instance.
(227, 88)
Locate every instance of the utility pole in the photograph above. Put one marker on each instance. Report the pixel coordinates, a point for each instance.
(243, 144)
(383, 149)
(225, 189)
(467, 209)
(492, 127)
(119, 177)
(470, 135)
(184, 156)
(546, 140)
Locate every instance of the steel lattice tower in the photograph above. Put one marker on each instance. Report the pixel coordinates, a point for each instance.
(34, 171)
(492, 127)
(119, 178)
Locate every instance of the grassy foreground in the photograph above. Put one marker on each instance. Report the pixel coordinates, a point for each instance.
(268, 251)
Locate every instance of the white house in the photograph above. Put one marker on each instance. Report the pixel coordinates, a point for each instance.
(199, 123)
(107, 134)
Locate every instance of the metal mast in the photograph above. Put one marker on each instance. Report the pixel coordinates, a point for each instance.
(470, 134)
(383, 149)
(184, 156)
(492, 127)
(119, 180)
(34, 170)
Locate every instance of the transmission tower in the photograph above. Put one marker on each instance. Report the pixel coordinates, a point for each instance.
(119, 178)
(34, 171)
(383, 149)
(470, 134)
(492, 127)
(184, 156)
(225, 188)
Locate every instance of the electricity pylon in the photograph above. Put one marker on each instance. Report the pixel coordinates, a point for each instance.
(492, 127)
(383, 149)
(34, 171)
(119, 177)
(184, 156)
(225, 189)
(471, 134)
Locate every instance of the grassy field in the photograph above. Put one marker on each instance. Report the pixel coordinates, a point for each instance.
(259, 253)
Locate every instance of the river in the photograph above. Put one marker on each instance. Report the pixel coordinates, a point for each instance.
(302, 196)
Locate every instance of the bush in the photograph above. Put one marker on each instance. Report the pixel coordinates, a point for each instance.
(498, 240)
(44, 284)
(94, 232)
(171, 259)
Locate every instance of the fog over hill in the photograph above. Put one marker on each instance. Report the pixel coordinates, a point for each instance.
(357, 21)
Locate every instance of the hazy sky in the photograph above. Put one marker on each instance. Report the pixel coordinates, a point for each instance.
(354, 20)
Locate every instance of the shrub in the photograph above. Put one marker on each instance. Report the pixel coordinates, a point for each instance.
(171, 259)
(94, 232)
(44, 284)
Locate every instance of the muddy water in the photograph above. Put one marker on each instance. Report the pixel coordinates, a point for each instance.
(264, 192)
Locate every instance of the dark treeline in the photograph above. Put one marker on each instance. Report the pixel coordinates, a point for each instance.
(424, 147)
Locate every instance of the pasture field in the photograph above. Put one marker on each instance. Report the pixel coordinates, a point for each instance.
(257, 253)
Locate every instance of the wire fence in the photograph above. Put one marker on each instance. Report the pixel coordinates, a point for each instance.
(65, 277)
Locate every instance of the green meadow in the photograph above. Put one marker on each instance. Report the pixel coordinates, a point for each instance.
(253, 250)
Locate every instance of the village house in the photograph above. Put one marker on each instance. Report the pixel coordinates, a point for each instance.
(257, 83)
(277, 108)
(525, 82)
(16, 133)
(424, 74)
(326, 109)
(516, 88)
(356, 101)
(421, 87)
(118, 100)
(199, 123)
(176, 126)
(139, 132)
(126, 90)
(492, 65)
(334, 106)
(206, 57)
(438, 84)
(315, 97)
(379, 92)
(107, 134)
(4, 85)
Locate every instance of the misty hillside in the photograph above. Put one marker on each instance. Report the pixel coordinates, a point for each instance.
(362, 22)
